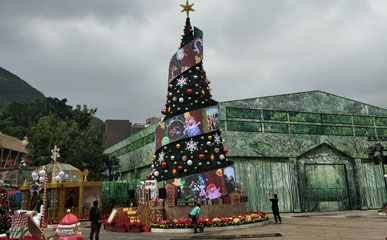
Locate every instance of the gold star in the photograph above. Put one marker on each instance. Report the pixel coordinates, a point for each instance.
(187, 7)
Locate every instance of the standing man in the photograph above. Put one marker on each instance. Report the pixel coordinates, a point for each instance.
(274, 207)
(95, 219)
(195, 216)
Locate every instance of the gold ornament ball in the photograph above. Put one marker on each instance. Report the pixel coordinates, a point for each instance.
(196, 167)
(170, 86)
(154, 157)
(210, 138)
(208, 163)
(177, 146)
(206, 151)
(175, 162)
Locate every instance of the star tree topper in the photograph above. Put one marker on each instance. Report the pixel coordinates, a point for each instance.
(187, 7)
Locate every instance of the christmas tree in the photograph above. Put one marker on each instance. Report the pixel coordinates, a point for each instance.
(5, 220)
(188, 140)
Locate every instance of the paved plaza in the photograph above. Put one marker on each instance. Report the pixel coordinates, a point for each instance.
(324, 225)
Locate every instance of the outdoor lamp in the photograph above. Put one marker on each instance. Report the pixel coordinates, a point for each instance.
(23, 164)
(42, 173)
(34, 176)
(61, 174)
(378, 147)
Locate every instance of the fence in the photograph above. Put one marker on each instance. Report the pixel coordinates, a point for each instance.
(114, 191)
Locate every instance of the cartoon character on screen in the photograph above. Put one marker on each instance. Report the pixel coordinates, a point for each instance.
(179, 56)
(192, 129)
(202, 187)
(213, 192)
(197, 47)
(195, 188)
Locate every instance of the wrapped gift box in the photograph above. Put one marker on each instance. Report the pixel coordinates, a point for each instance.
(191, 202)
(226, 199)
(171, 195)
(181, 202)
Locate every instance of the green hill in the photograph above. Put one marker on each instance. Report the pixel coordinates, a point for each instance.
(15, 89)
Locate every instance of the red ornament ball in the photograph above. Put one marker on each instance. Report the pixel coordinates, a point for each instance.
(170, 150)
(148, 176)
(201, 156)
(163, 164)
(225, 150)
(189, 91)
(190, 30)
(164, 111)
(180, 168)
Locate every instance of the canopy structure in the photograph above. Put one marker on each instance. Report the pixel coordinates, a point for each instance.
(72, 174)
(72, 191)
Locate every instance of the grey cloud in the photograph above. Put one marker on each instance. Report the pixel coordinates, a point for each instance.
(114, 55)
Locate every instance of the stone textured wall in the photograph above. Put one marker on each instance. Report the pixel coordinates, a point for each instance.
(270, 154)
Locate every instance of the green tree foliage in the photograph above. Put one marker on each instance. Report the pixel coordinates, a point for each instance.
(52, 122)
(25, 114)
(5, 219)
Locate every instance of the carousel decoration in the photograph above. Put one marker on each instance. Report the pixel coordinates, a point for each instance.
(64, 187)
(42, 176)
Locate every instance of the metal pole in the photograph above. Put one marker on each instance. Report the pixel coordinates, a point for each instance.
(384, 176)
(44, 208)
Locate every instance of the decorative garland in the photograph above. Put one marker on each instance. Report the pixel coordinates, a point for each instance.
(81, 219)
(24, 238)
(250, 217)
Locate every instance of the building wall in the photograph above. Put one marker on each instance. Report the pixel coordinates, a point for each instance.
(310, 148)
(115, 131)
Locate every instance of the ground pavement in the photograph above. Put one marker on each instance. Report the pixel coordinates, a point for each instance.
(324, 225)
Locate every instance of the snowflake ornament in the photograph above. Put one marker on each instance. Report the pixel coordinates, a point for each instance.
(181, 81)
(191, 146)
(161, 157)
(217, 139)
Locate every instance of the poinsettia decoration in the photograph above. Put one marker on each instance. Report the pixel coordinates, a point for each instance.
(250, 217)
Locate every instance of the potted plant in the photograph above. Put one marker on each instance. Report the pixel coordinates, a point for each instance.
(120, 227)
(135, 227)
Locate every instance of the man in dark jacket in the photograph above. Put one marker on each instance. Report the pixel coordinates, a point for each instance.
(274, 207)
(95, 219)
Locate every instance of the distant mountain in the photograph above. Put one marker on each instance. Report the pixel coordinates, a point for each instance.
(96, 122)
(15, 89)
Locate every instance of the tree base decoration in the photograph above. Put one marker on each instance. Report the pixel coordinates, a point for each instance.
(252, 219)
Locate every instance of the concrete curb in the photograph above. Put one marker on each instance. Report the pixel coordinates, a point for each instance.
(210, 229)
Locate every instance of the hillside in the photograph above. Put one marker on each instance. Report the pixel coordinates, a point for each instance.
(14, 89)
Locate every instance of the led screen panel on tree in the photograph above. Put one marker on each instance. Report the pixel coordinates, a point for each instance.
(188, 140)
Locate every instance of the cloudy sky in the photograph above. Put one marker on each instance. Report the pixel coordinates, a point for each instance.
(114, 55)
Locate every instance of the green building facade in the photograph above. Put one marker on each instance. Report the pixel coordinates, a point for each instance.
(310, 148)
